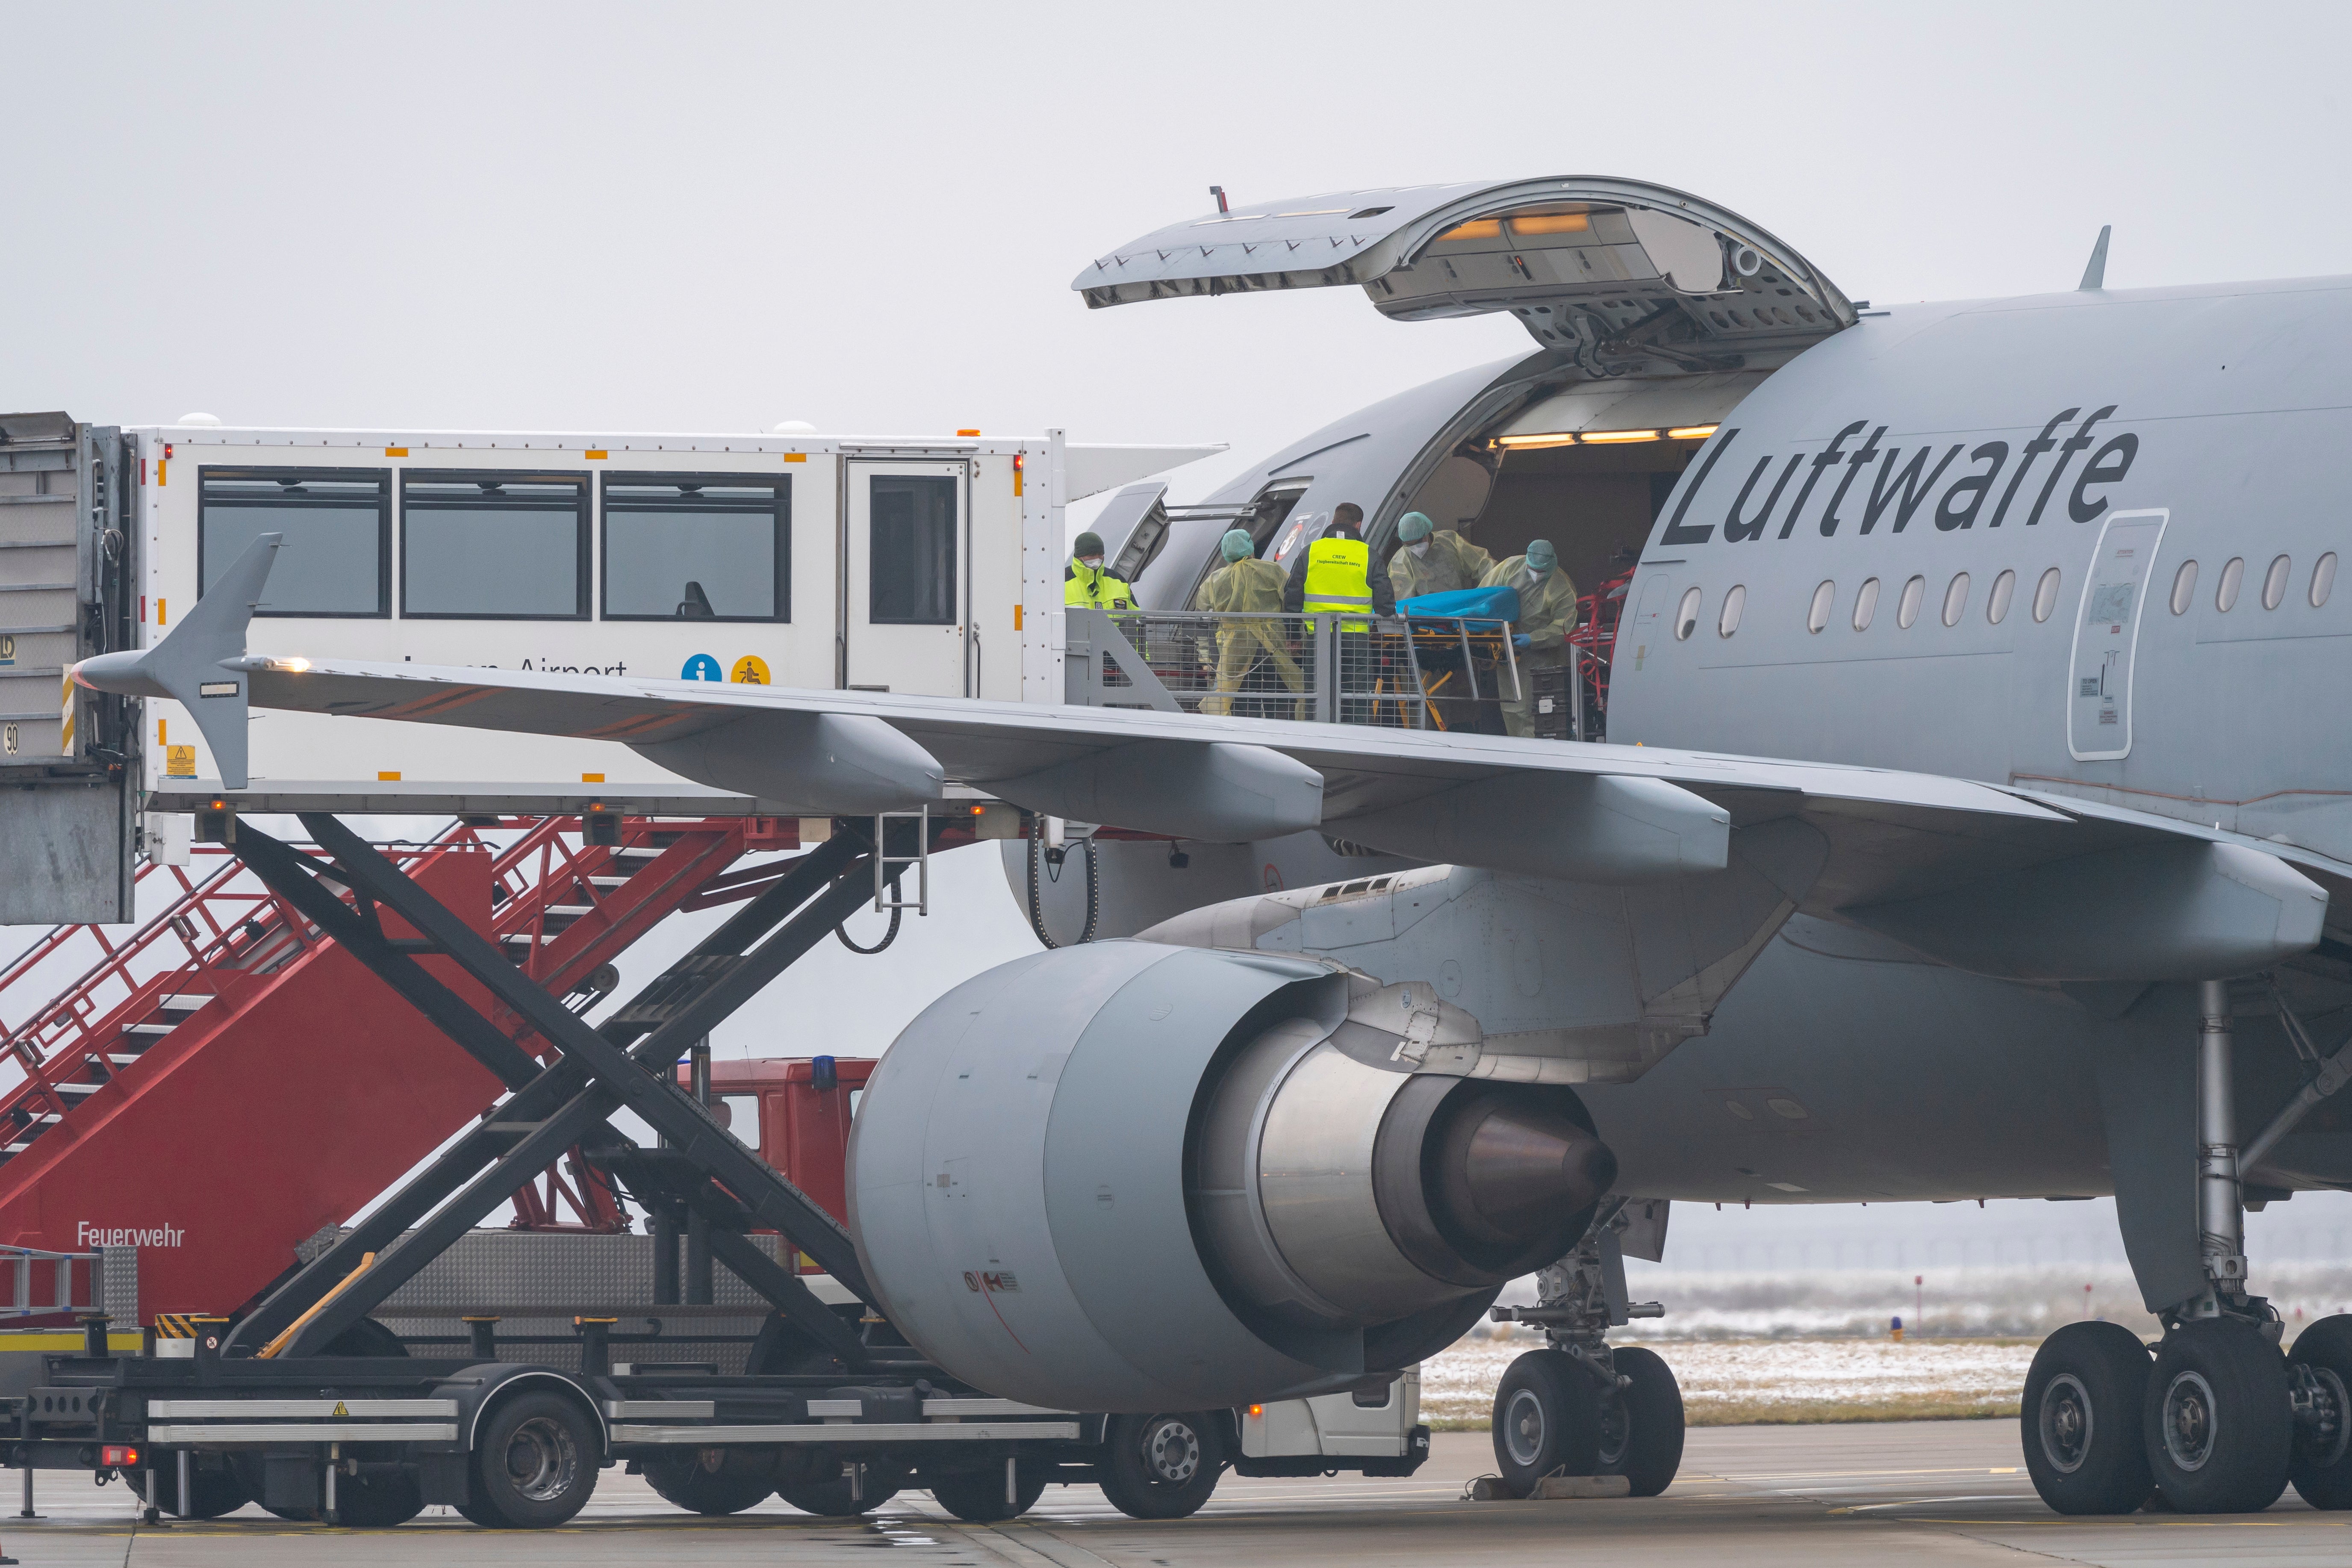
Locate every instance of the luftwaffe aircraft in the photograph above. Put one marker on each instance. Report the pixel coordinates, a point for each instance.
(1884, 884)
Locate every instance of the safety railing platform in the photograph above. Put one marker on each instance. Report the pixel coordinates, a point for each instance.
(1410, 672)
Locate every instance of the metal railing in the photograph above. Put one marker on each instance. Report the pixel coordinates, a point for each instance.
(1415, 672)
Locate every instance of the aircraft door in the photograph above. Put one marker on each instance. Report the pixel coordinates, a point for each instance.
(907, 575)
(1646, 632)
(2106, 636)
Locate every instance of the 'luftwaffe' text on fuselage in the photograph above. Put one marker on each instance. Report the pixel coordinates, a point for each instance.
(1894, 485)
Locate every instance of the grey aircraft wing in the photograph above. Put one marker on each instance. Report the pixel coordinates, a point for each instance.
(1982, 877)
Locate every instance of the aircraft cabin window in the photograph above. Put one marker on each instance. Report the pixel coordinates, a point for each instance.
(2045, 594)
(2004, 588)
(2184, 587)
(1907, 609)
(1955, 598)
(914, 545)
(1824, 600)
(1686, 615)
(697, 547)
(1732, 604)
(336, 558)
(2323, 579)
(2225, 596)
(502, 544)
(1865, 605)
(2275, 583)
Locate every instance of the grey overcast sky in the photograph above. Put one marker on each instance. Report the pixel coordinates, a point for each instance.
(714, 217)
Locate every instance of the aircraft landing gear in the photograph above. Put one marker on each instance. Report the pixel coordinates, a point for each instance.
(2220, 1420)
(2082, 1418)
(2320, 1367)
(1578, 1407)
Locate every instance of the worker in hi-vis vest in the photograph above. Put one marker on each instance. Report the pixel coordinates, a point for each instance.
(1086, 582)
(1250, 590)
(1337, 572)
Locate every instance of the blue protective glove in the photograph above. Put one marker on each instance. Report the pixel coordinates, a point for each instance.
(1521, 640)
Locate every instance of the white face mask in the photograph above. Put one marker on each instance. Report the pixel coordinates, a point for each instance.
(1421, 547)
(1091, 562)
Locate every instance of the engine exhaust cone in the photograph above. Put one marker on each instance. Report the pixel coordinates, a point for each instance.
(1507, 1175)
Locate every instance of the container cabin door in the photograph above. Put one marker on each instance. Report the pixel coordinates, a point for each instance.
(906, 566)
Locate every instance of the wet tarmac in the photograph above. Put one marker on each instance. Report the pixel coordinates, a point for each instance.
(1922, 1492)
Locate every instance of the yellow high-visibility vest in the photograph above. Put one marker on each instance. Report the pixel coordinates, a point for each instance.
(1339, 577)
(1096, 588)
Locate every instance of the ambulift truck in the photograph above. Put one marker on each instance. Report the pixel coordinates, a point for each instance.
(315, 1408)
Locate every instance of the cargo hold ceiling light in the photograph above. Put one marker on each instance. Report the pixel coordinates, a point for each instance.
(1537, 439)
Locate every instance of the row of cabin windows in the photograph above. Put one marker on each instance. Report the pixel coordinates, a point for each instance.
(1818, 614)
(508, 545)
(1907, 606)
(2275, 582)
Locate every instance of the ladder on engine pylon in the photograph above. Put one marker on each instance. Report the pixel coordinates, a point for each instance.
(180, 1059)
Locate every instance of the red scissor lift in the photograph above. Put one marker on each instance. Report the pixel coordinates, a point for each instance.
(227, 1081)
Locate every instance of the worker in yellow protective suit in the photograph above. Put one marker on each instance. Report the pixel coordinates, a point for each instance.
(1546, 615)
(1244, 585)
(1433, 560)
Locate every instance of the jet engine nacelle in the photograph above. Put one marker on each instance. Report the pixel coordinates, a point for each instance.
(1125, 1176)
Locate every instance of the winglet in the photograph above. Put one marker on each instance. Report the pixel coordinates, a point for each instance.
(2095, 276)
(196, 665)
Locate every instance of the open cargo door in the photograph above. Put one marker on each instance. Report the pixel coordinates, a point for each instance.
(69, 758)
(1628, 277)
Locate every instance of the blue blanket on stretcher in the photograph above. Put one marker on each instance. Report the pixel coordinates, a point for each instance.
(1470, 604)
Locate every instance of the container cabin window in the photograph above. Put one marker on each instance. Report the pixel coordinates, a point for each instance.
(914, 551)
(698, 547)
(497, 545)
(336, 558)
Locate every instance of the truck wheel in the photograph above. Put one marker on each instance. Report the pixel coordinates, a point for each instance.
(1161, 1467)
(827, 1495)
(711, 1480)
(211, 1492)
(977, 1497)
(537, 1464)
(1641, 1424)
(1547, 1420)
(379, 1497)
(249, 1475)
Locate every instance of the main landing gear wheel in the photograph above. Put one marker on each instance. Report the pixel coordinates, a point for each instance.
(2080, 1420)
(712, 1480)
(1641, 1424)
(977, 1497)
(2321, 1365)
(1161, 1467)
(1548, 1421)
(2220, 1429)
